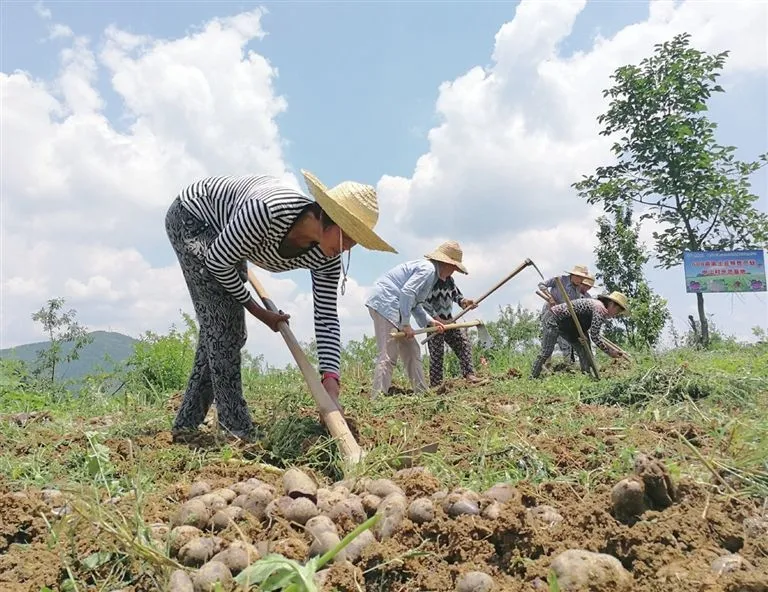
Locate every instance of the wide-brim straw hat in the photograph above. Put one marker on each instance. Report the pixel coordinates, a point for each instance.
(449, 252)
(353, 207)
(588, 281)
(579, 270)
(618, 298)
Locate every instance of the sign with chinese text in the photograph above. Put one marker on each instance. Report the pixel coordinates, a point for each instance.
(724, 271)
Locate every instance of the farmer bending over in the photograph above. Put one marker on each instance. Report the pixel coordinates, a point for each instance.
(439, 305)
(398, 294)
(591, 313)
(215, 226)
(571, 282)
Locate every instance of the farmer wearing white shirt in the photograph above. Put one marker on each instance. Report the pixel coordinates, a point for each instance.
(398, 295)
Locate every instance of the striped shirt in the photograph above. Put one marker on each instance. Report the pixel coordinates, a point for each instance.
(442, 297)
(252, 214)
(591, 314)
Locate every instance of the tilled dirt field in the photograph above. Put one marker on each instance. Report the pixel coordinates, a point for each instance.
(703, 541)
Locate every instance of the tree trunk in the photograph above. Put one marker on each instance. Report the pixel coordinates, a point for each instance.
(704, 326)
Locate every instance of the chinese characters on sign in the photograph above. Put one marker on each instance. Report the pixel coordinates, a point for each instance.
(724, 271)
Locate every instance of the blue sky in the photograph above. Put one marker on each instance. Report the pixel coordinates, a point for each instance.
(362, 87)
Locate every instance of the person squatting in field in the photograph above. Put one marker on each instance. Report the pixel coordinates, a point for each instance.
(591, 314)
(572, 282)
(439, 305)
(398, 294)
(216, 225)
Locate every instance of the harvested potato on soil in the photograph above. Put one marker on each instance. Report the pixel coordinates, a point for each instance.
(198, 488)
(297, 483)
(180, 582)
(226, 493)
(421, 510)
(353, 550)
(474, 581)
(198, 551)
(256, 502)
(237, 556)
(545, 515)
(371, 504)
(210, 574)
(628, 499)
(577, 569)
(300, 510)
(463, 506)
(181, 535)
(502, 493)
(659, 489)
(192, 513)
(383, 487)
(352, 507)
(213, 502)
(492, 511)
(392, 509)
(223, 518)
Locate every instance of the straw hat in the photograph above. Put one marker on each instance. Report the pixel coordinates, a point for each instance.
(579, 270)
(449, 252)
(588, 281)
(616, 297)
(353, 207)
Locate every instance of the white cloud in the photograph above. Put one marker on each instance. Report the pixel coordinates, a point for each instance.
(84, 194)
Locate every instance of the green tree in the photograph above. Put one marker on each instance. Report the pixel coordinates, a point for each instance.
(66, 337)
(620, 261)
(669, 162)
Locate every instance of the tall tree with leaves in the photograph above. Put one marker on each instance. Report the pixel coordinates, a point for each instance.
(66, 337)
(620, 261)
(670, 165)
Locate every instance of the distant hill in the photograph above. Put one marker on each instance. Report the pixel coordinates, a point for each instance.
(105, 343)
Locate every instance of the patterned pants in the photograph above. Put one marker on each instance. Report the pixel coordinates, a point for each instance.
(458, 342)
(549, 338)
(216, 372)
(562, 342)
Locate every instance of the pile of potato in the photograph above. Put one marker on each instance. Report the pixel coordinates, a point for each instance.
(193, 540)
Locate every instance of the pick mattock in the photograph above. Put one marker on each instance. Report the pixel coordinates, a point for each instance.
(329, 409)
(582, 337)
(520, 268)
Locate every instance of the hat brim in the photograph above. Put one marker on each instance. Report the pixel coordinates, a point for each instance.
(609, 299)
(577, 273)
(349, 224)
(444, 259)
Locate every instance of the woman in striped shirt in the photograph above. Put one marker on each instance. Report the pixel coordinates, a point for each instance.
(215, 226)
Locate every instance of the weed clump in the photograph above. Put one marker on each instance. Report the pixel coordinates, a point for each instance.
(668, 384)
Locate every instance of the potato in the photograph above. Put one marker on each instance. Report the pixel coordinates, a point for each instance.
(439, 496)
(257, 501)
(300, 510)
(468, 494)
(545, 515)
(660, 491)
(278, 506)
(191, 513)
(213, 502)
(392, 509)
(242, 487)
(323, 542)
(212, 572)
(225, 493)
(502, 493)
(492, 511)
(180, 582)
(353, 550)
(159, 532)
(199, 550)
(474, 581)
(223, 518)
(319, 524)
(198, 488)
(237, 556)
(628, 499)
(297, 483)
(371, 503)
(383, 488)
(421, 510)
(351, 506)
(463, 506)
(327, 498)
(181, 535)
(576, 569)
